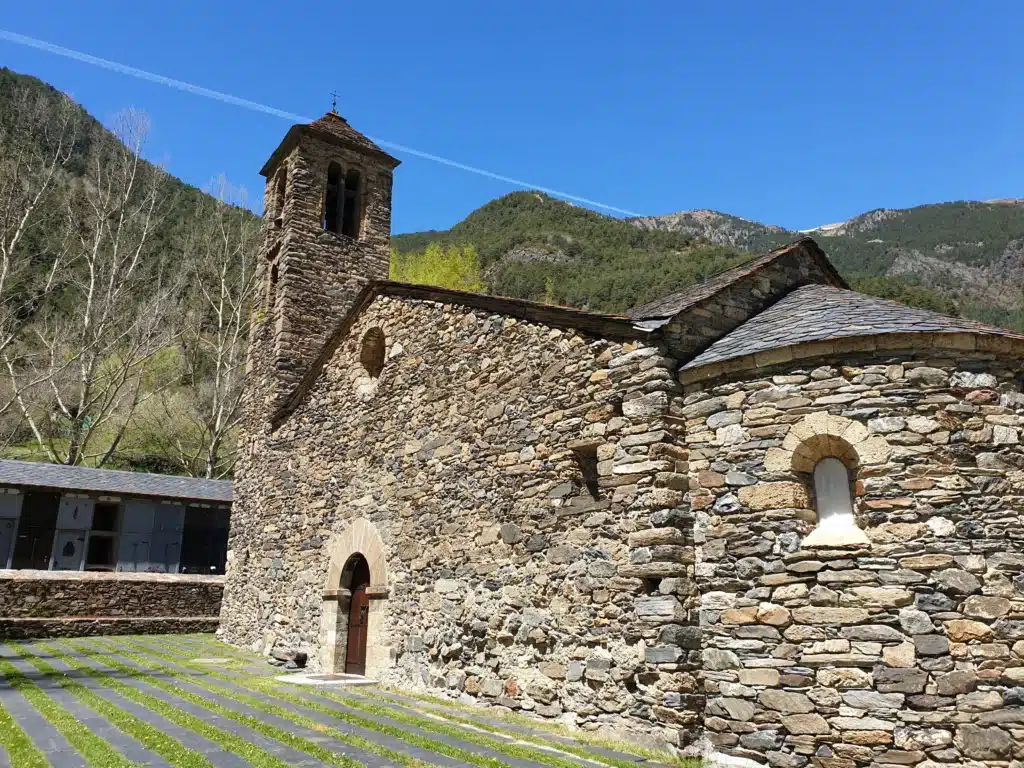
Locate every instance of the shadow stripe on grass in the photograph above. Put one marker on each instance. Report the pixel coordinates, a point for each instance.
(343, 708)
(437, 749)
(57, 699)
(191, 713)
(384, 748)
(377, 704)
(19, 749)
(132, 713)
(582, 744)
(364, 698)
(169, 695)
(24, 704)
(191, 651)
(449, 745)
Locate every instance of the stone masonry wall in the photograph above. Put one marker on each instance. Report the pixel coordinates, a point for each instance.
(907, 651)
(513, 574)
(46, 603)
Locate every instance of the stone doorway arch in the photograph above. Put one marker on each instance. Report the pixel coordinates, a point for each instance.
(359, 543)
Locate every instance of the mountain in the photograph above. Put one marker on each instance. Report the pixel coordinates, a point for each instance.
(958, 258)
(119, 343)
(969, 253)
(182, 200)
(534, 246)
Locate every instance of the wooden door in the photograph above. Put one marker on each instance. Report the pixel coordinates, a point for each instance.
(358, 618)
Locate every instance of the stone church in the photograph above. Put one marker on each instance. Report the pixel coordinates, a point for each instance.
(766, 516)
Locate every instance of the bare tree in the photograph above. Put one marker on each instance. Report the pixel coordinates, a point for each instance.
(38, 135)
(111, 309)
(195, 423)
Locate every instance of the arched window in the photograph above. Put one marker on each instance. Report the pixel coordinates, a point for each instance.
(353, 210)
(834, 503)
(832, 491)
(282, 184)
(333, 199)
(371, 353)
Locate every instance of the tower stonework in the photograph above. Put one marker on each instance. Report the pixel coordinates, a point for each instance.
(327, 210)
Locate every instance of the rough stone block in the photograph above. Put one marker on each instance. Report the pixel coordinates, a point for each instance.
(981, 607)
(980, 743)
(786, 702)
(820, 615)
(781, 495)
(889, 680)
(966, 631)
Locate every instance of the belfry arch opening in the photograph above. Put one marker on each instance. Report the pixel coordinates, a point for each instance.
(279, 195)
(352, 212)
(333, 199)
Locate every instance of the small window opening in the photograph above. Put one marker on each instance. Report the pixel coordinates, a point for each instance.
(352, 212)
(832, 491)
(834, 503)
(272, 286)
(371, 353)
(586, 460)
(333, 199)
(652, 586)
(282, 184)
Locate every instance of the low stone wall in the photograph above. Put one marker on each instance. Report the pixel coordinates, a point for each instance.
(65, 603)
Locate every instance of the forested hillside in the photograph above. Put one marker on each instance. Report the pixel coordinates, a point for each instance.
(534, 246)
(124, 295)
(962, 257)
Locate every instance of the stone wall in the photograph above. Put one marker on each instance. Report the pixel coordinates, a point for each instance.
(49, 603)
(502, 478)
(908, 650)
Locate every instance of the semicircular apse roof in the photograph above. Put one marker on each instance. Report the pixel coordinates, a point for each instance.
(823, 312)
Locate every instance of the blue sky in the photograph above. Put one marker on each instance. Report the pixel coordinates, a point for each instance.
(791, 113)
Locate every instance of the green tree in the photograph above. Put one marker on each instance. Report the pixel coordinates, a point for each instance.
(440, 265)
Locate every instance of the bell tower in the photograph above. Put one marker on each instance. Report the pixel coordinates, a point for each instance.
(327, 225)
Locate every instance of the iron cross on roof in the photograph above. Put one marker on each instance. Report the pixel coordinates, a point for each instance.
(334, 102)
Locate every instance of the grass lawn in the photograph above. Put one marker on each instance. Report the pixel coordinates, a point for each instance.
(156, 703)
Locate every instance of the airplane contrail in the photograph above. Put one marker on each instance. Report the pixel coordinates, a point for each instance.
(255, 106)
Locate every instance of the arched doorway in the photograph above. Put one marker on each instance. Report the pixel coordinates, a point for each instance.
(357, 572)
(355, 577)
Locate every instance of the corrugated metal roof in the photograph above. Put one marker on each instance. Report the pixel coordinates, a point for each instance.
(112, 481)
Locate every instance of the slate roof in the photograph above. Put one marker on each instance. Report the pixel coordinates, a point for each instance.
(822, 312)
(332, 128)
(112, 481)
(677, 302)
(338, 127)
